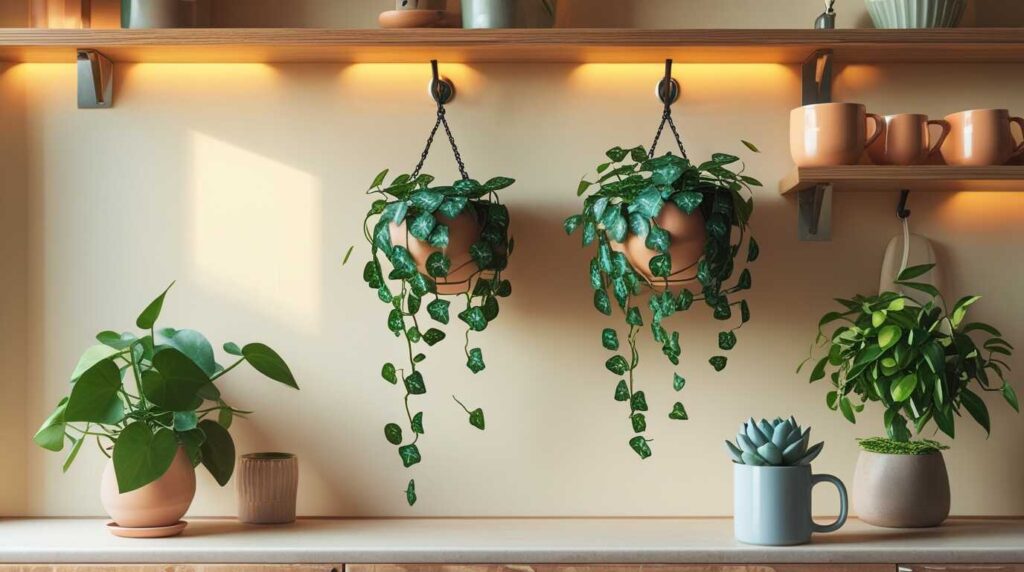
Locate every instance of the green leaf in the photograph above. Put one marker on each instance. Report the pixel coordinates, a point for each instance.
(433, 336)
(91, 357)
(926, 288)
(438, 310)
(724, 158)
(498, 183)
(388, 373)
(914, 271)
(616, 154)
(572, 223)
(438, 265)
(678, 382)
(904, 388)
(225, 417)
(726, 340)
(609, 339)
(617, 365)
(602, 302)
(750, 146)
(94, 397)
(960, 309)
(426, 201)
(589, 232)
(148, 317)
(622, 391)
(218, 451)
(414, 383)
(141, 457)
(115, 340)
(639, 444)
(1011, 397)
(422, 225)
(476, 418)
(196, 347)
(689, 201)
(439, 236)
(76, 446)
(638, 401)
(582, 187)
(266, 361)
(475, 360)
(410, 455)
(474, 318)
(639, 225)
(976, 407)
(379, 179)
(819, 369)
(393, 433)
(718, 362)
(50, 435)
(417, 423)
(185, 421)
(661, 265)
(888, 336)
(847, 408)
(678, 412)
(233, 349)
(658, 239)
(648, 203)
(410, 492)
(639, 422)
(982, 327)
(744, 312)
(633, 317)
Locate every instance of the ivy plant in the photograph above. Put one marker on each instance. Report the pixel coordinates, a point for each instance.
(625, 198)
(143, 396)
(914, 355)
(423, 208)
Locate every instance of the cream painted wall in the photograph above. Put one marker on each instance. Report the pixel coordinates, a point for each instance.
(244, 183)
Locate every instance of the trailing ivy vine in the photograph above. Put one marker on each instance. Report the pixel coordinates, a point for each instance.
(625, 199)
(422, 211)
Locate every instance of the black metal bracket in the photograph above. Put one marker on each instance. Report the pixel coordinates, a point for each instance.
(442, 90)
(901, 209)
(668, 88)
(814, 222)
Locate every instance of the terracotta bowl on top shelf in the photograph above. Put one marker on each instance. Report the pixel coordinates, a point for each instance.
(419, 19)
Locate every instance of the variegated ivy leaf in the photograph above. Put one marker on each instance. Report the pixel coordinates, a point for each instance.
(438, 265)
(439, 236)
(378, 206)
(600, 205)
(414, 383)
(718, 362)
(426, 201)
(723, 311)
(404, 266)
(639, 422)
(395, 212)
(410, 492)
(498, 183)
(438, 310)
(388, 373)
(452, 206)
(572, 223)
(658, 239)
(504, 289)
(382, 237)
(622, 391)
(589, 233)
(678, 382)
(422, 225)
(727, 340)
(621, 291)
(395, 322)
(420, 285)
(678, 412)
(476, 418)
(393, 433)
(596, 282)
(639, 225)
(609, 339)
(413, 334)
(372, 275)
(417, 423)
(433, 336)
(744, 312)
(639, 444)
(688, 200)
(617, 365)
(648, 203)
(602, 303)
(661, 265)
(490, 308)
(410, 455)
(604, 257)
(616, 225)
(413, 302)
(482, 254)
(638, 401)
(633, 317)
(497, 215)
(474, 318)
(475, 361)
(384, 294)
(753, 250)
(685, 300)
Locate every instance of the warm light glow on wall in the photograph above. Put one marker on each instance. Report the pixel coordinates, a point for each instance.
(621, 78)
(255, 233)
(990, 212)
(222, 78)
(385, 79)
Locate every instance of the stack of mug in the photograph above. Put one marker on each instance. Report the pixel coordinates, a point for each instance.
(830, 134)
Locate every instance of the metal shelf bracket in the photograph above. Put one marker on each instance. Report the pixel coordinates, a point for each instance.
(815, 204)
(95, 80)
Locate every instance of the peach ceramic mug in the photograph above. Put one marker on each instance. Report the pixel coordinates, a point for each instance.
(906, 140)
(980, 137)
(826, 134)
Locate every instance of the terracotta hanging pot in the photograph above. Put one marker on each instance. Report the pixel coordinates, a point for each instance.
(687, 236)
(463, 232)
(901, 491)
(160, 504)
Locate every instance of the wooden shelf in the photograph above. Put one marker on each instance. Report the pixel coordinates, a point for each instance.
(866, 178)
(274, 45)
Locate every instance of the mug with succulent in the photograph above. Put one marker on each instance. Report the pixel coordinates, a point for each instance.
(152, 404)
(670, 229)
(921, 361)
(439, 240)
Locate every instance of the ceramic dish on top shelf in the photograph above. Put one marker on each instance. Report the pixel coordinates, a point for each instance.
(901, 14)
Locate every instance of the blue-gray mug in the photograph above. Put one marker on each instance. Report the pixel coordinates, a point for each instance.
(772, 505)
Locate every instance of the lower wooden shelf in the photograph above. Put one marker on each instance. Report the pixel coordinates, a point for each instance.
(916, 178)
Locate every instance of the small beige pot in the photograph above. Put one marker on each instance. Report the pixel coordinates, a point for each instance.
(901, 491)
(161, 503)
(463, 232)
(267, 486)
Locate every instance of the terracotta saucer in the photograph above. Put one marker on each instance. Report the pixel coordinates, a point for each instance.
(419, 19)
(147, 531)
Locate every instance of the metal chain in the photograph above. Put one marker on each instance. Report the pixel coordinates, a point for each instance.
(441, 120)
(666, 117)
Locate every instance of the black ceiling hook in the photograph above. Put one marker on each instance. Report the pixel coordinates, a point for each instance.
(441, 88)
(668, 87)
(901, 210)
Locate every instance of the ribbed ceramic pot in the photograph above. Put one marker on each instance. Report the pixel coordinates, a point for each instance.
(268, 484)
(891, 14)
(160, 503)
(901, 491)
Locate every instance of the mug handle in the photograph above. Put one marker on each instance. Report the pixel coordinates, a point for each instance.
(946, 128)
(815, 479)
(879, 128)
(1020, 148)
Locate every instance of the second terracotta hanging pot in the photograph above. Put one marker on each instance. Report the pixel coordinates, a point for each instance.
(688, 237)
(463, 231)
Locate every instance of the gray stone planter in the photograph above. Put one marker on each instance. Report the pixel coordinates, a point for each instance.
(901, 491)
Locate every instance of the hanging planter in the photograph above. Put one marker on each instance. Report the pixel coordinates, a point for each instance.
(667, 230)
(436, 240)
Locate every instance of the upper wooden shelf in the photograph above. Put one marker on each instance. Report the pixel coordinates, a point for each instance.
(916, 178)
(274, 45)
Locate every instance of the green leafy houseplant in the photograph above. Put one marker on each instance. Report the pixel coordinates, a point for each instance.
(914, 356)
(143, 396)
(625, 200)
(411, 208)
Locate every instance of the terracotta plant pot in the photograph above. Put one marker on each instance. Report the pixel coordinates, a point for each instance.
(687, 235)
(901, 491)
(267, 487)
(463, 232)
(161, 503)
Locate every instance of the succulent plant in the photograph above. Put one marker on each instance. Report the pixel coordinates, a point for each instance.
(779, 443)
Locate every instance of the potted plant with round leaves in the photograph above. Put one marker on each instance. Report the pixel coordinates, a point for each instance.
(925, 363)
(670, 231)
(151, 402)
(437, 240)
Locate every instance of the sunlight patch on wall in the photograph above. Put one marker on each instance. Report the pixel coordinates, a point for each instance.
(255, 231)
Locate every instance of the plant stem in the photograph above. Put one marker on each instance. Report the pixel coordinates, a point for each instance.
(227, 369)
(461, 404)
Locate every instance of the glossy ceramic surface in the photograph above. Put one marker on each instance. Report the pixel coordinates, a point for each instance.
(982, 137)
(463, 231)
(916, 13)
(161, 503)
(907, 140)
(772, 505)
(829, 134)
(488, 13)
(901, 491)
